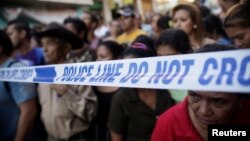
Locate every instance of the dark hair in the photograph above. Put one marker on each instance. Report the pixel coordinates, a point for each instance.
(195, 15)
(214, 48)
(238, 15)
(149, 42)
(205, 11)
(213, 23)
(20, 26)
(176, 38)
(79, 25)
(93, 17)
(164, 22)
(115, 48)
(139, 50)
(5, 43)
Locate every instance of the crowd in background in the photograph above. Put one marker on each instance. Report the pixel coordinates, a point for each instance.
(40, 112)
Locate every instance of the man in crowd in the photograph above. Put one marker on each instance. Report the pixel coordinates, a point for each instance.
(19, 33)
(17, 102)
(131, 31)
(67, 110)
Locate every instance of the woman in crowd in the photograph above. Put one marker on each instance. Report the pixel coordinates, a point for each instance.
(134, 111)
(155, 28)
(188, 18)
(237, 24)
(148, 41)
(159, 24)
(189, 119)
(173, 42)
(107, 50)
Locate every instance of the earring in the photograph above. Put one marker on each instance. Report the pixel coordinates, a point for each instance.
(195, 26)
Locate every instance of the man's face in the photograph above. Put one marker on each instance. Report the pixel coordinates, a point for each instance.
(51, 48)
(128, 22)
(14, 35)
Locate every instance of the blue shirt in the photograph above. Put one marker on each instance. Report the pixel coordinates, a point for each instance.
(9, 101)
(34, 56)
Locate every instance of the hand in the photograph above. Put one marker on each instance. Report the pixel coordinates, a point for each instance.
(60, 89)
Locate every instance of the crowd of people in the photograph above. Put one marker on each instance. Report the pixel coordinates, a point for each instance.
(53, 112)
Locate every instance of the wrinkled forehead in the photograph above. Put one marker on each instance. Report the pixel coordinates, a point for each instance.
(211, 94)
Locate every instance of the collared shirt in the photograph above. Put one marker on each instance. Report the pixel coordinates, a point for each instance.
(132, 118)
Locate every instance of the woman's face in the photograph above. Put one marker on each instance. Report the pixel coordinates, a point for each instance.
(154, 23)
(165, 50)
(103, 54)
(240, 36)
(211, 107)
(182, 20)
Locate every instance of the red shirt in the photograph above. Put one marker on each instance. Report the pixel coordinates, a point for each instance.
(175, 125)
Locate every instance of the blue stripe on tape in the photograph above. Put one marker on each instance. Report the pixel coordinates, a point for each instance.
(46, 74)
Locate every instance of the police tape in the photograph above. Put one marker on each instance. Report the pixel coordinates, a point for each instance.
(217, 71)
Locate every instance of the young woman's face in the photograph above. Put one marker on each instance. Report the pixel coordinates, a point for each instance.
(103, 54)
(240, 36)
(182, 20)
(155, 19)
(166, 50)
(211, 107)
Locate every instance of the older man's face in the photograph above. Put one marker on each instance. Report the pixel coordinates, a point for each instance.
(52, 53)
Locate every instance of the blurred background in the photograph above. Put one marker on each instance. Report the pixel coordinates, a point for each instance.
(42, 12)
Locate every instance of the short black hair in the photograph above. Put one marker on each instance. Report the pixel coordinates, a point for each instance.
(175, 38)
(21, 25)
(5, 43)
(115, 48)
(79, 25)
